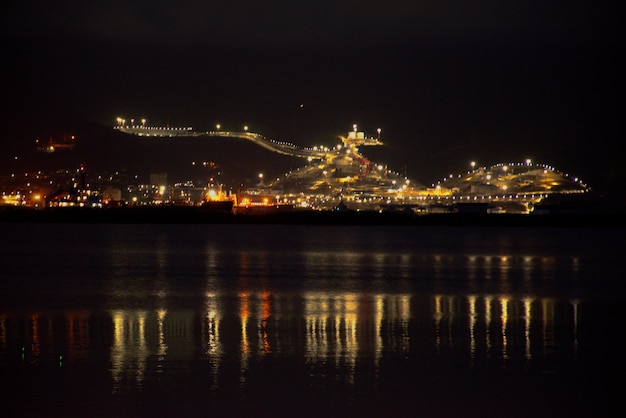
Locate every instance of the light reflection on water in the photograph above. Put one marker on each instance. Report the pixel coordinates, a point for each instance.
(231, 318)
(337, 328)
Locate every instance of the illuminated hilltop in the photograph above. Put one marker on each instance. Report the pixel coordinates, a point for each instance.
(342, 176)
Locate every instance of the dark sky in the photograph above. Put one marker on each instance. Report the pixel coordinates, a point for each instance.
(447, 81)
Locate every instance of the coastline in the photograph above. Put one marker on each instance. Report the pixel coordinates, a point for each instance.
(197, 215)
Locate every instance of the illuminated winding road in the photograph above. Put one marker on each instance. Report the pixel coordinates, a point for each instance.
(284, 148)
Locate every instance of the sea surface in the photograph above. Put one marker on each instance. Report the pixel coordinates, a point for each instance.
(159, 320)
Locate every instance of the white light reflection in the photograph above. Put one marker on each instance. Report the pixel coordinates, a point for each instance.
(212, 325)
(211, 337)
(161, 345)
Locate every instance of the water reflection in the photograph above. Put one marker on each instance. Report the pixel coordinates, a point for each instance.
(346, 331)
(148, 343)
(233, 319)
(210, 339)
(129, 349)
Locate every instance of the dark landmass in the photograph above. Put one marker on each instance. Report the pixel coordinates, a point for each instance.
(198, 215)
(103, 150)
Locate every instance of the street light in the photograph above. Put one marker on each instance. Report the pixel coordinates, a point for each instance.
(354, 127)
(218, 126)
(473, 164)
(245, 128)
(143, 122)
(379, 131)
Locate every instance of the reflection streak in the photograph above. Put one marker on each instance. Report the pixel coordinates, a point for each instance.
(488, 301)
(129, 351)
(472, 325)
(343, 329)
(527, 322)
(504, 306)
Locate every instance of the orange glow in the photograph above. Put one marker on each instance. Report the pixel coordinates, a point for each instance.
(265, 304)
(244, 313)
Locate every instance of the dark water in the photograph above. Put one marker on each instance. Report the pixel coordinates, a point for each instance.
(271, 320)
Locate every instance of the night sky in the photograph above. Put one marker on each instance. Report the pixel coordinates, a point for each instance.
(447, 81)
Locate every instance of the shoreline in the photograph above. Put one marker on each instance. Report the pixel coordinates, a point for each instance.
(197, 215)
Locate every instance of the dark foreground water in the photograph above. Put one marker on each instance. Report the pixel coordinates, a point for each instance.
(278, 320)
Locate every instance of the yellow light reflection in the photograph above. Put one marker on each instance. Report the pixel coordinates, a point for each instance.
(527, 322)
(472, 325)
(344, 343)
(244, 314)
(488, 300)
(379, 306)
(504, 316)
(129, 351)
(437, 315)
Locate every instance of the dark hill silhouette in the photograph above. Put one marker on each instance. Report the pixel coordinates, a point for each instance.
(102, 149)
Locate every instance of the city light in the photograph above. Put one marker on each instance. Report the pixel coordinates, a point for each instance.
(333, 175)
